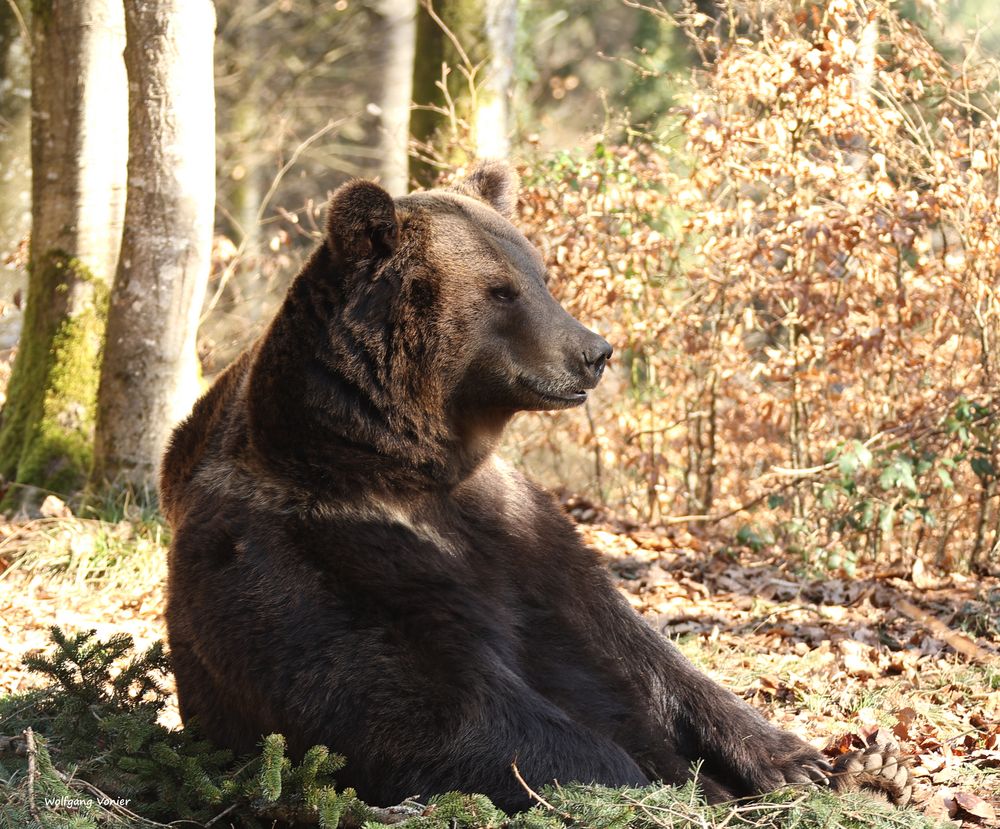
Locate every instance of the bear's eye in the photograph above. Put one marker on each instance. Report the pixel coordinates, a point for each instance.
(504, 293)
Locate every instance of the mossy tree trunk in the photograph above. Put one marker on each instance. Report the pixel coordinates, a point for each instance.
(475, 115)
(150, 377)
(78, 151)
(15, 141)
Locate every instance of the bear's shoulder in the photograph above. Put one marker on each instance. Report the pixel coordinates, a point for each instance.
(200, 433)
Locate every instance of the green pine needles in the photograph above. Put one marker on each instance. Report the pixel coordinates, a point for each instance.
(87, 752)
(100, 758)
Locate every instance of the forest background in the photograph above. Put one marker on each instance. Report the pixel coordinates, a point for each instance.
(783, 214)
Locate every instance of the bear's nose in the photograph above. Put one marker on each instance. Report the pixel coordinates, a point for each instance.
(597, 355)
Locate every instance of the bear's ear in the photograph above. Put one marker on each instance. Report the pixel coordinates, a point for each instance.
(493, 182)
(361, 223)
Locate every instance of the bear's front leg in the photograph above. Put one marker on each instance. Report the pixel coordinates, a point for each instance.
(746, 752)
(704, 721)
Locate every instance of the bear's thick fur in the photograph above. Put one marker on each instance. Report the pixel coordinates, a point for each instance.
(352, 566)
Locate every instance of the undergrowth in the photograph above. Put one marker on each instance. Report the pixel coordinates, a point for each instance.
(86, 751)
(109, 552)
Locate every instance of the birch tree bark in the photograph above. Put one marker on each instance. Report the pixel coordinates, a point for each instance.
(78, 151)
(15, 137)
(150, 377)
(397, 43)
(492, 118)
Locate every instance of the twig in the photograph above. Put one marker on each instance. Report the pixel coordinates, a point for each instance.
(23, 26)
(536, 795)
(661, 13)
(74, 783)
(807, 472)
(221, 815)
(631, 436)
(29, 740)
(109, 803)
(448, 33)
(411, 807)
(939, 630)
(714, 519)
(598, 465)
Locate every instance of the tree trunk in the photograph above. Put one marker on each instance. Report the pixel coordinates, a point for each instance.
(494, 90)
(479, 112)
(397, 42)
(78, 147)
(149, 378)
(245, 117)
(426, 124)
(15, 142)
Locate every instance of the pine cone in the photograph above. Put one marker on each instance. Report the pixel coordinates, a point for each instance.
(877, 769)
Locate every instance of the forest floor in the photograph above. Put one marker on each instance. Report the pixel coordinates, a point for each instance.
(831, 658)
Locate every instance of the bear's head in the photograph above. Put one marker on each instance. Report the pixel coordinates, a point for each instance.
(437, 324)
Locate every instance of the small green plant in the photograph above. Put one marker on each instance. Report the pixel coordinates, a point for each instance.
(870, 498)
(97, 725)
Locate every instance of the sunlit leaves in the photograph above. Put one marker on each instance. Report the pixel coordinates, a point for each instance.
(807, 284)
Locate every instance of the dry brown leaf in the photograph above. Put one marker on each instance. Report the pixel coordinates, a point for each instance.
(856, 659)
(941, 805)
(974, 805)
(54, 507)
(922, 579)
(904, 719)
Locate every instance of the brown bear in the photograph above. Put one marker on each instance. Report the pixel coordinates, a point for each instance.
(351, 565)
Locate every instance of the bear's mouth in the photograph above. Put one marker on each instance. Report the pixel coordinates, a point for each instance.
(561, 399)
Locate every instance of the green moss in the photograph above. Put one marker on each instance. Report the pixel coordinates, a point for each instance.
(46, 434)
(58, 452)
